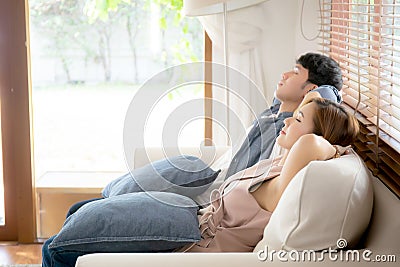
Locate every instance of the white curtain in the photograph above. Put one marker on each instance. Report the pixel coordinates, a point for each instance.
(244, 38)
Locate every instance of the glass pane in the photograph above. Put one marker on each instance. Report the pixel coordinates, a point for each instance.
(87, 64)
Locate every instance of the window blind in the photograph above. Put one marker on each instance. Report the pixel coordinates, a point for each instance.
(364, 37)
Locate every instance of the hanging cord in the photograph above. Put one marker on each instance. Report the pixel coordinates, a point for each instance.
(301, 22)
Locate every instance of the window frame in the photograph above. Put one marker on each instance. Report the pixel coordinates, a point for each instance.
(15, 121)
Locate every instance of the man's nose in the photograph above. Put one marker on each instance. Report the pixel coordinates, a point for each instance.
(285, 75)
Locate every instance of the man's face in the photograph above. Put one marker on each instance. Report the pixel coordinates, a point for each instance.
(293, 85)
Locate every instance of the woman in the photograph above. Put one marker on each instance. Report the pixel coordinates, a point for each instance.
(235, 221)
(241, 208)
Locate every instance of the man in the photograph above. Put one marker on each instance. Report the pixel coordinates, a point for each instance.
(312, 72)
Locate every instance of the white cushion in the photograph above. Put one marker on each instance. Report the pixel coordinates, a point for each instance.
(326, 201)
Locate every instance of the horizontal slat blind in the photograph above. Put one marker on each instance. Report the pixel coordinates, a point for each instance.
(364, 37)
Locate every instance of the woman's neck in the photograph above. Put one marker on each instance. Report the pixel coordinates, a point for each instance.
(284, 156)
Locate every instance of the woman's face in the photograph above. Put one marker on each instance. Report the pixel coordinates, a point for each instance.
(300, 124)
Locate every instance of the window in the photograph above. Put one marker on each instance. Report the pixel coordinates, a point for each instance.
(87, 63)
(86, 68)
(363, 36)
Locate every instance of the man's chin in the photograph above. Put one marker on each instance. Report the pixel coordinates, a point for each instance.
(276, 96)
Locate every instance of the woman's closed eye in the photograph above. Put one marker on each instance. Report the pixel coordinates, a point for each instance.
(299, 116)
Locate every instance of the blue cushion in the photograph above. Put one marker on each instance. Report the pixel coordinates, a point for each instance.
(184, 175)
(136, 222)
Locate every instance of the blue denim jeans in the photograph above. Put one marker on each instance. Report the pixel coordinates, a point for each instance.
(58, 257)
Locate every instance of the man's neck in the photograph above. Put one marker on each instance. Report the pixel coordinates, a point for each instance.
(288, 107)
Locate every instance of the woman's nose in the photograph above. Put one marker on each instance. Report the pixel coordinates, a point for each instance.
(287, 121)
(284, 76)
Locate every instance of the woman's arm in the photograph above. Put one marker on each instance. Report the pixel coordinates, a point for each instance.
(308, 148)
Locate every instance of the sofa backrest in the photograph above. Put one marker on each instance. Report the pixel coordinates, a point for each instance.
(383, 233)
(208, 154)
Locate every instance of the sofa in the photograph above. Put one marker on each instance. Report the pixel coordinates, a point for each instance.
(376, 234)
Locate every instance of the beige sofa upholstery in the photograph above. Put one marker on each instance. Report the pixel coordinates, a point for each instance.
(381, 238)
(198, 260)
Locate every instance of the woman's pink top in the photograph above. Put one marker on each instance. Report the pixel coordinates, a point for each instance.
(234, 221)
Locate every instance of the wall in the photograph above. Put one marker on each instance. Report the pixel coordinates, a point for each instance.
(282, 37)
(282, 41)
(310, 25)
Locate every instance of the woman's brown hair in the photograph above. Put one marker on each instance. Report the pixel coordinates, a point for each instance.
(334, 123)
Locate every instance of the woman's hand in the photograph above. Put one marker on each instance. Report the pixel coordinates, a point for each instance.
(341, 150)
(308, 97)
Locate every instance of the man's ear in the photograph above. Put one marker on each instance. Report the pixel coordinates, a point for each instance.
(311, 87)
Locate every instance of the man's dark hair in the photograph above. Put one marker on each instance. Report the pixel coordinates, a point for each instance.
(322, 70)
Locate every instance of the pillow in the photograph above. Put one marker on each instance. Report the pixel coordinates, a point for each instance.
(184, 175)
(222, 163)
(136, 222)
(328, 204)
